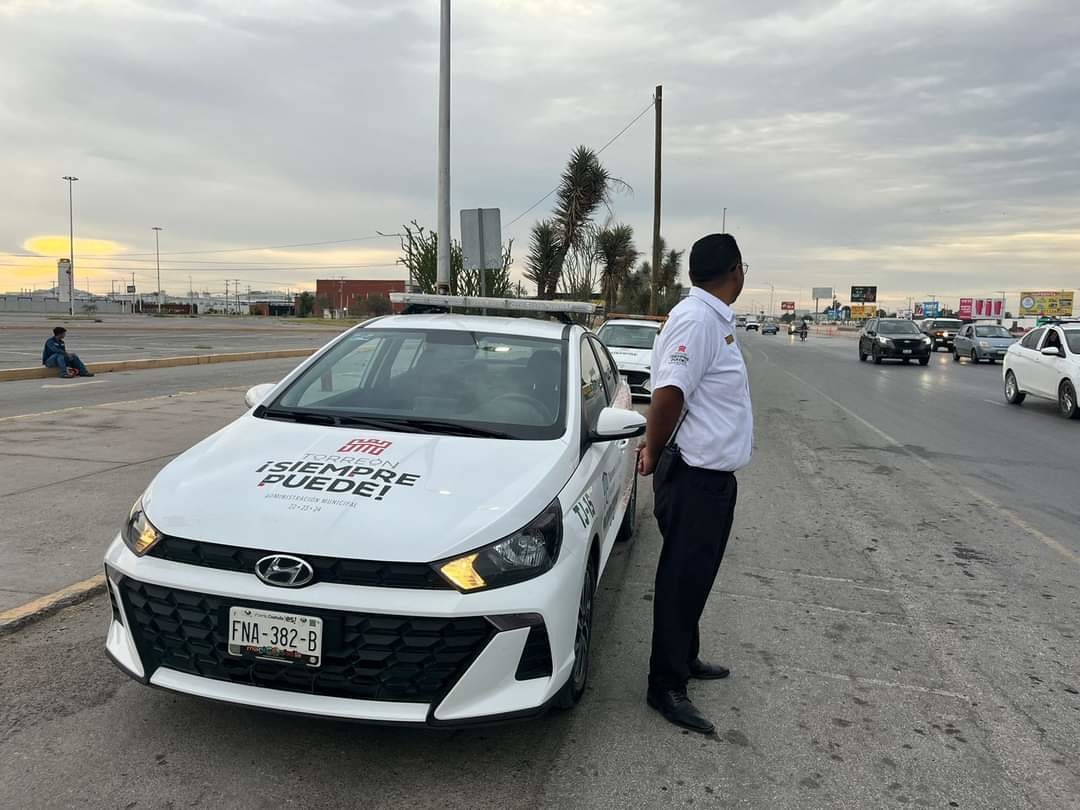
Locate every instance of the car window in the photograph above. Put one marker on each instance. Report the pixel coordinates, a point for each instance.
(593, 395)
(509, 384)
(607, 369)
(871, 325)
(1072, 337)
(898, 328)
(991, 332)
(1031, 339)
(627, 336)
(1052, 340)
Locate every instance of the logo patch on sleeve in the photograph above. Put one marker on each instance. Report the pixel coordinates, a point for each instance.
(729, 339)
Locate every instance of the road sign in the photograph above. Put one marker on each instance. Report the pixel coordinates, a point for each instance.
(863, 295)
(822, 292)
(131, 289)
(787, 306)
(481, 227)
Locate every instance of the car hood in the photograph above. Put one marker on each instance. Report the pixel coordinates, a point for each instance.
(996, 342)
(354, 493)
(635, 359)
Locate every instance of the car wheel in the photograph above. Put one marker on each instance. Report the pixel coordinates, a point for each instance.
(924, 360)
(574, 687)
(974, 357)
(955, 356)
(877, 357)
(629, 521)
(862, 356)
(1067, 400)
(1013, 394)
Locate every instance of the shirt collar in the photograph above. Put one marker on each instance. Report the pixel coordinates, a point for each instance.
(721, 309)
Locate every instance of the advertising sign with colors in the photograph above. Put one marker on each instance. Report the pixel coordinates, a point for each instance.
(966, 308)
(787, 306)
(931, 309)
(1057, 303)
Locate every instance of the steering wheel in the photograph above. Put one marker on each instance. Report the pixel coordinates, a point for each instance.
(521, 399)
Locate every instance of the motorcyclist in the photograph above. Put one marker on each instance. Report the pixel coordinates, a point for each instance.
(802, 330)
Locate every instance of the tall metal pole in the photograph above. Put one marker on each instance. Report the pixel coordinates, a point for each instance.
(658, 104)
(723, 223)
(71, 244)
(772, 292)
(442, 276)
(157, 253)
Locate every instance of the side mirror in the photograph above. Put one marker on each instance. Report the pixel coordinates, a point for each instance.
(1053, 351)
(257, 393)
(617, 423)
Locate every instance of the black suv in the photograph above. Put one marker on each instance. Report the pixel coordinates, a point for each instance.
(895, 338)
(941, 331)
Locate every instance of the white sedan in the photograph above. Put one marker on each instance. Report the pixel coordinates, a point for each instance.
(1046, 363)
(630, 342)
(409, 528)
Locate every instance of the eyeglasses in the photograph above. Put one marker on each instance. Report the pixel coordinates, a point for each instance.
(745, 268)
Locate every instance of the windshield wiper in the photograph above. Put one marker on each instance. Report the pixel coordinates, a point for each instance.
(435, 426)
(305, 417)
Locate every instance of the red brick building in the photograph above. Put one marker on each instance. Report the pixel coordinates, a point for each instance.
(340, 294)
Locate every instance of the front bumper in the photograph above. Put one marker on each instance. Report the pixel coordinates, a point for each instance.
(390, 655)
(903, 353)
(639, 379)
(941, 340)
(990, 353)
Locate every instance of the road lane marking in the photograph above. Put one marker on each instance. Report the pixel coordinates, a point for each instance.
(122, 402)
(995, 402)
(71, 384)
(1008, 514)
(868, 614)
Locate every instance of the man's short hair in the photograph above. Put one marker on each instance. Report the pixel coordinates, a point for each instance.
(58, 331)
(713, 256)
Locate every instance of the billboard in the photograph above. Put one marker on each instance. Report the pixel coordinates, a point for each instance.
(821, 292)
(861, 311)
(787, 306)
(966, 308)
(931, 309)
(1057, 303)
(863, 295)
(988, 308)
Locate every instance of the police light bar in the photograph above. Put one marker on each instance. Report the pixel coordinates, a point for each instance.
(505, 304)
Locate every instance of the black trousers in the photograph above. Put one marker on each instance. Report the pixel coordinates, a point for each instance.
(694, 509)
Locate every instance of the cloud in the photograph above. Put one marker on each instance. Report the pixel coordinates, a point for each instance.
(852, 141)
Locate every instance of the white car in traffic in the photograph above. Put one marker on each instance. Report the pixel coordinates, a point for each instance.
(630, 342)
(1046, 363)
(409, 528)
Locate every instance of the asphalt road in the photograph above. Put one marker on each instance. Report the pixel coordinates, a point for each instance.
(902, 633)
(126, 338)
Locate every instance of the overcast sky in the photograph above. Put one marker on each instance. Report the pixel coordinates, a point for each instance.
(926, 146)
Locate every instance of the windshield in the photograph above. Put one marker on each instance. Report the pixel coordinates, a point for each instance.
(897, 328)
(992, 332)
(1072, 337)
(946, 324)
(625, 336)
(435, 381)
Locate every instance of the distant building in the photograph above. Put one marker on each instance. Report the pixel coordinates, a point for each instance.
(336, 296)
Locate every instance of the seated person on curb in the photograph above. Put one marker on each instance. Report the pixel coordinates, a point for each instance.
(57, 356)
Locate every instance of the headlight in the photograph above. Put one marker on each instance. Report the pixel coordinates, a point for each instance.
(884, 341)
(139, 533)
(525, 554)
(926, 339)
(985, 344)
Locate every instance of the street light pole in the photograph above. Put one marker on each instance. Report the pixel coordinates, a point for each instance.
(442, 268)
(71, 243)
(157, 253)
(723, 224)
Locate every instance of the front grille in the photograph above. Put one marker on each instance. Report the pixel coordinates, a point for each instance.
(635, 378)
(364, 656)
(112, 602)
(908, 344)
(327, 569)
(536, 657)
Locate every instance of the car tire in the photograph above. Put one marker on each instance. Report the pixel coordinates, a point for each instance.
(862, 356)
(629, 521)
(1013, 394)
(877, 357)
(955, 356)
(975, 357)
(924, 360)
(574, 688)
(1067, 400)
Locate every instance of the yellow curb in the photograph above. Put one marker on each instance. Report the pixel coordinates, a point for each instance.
(41, 372)
(15, 618)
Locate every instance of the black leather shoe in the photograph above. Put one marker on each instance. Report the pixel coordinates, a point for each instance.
(677, 708)
(703, 671)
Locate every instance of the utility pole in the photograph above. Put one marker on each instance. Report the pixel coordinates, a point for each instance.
(190, 296)
(658, 100)
(772, 292)
(226, 296)
(133, 294)
(442, 285)
(236, 294)
(723, 222)
(157, 253)
(71, 243)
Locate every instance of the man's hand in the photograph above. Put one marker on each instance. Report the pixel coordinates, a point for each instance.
(646, 461)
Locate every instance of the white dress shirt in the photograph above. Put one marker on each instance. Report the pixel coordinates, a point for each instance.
(697, 353)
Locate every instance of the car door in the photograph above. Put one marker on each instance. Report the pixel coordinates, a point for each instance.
(1022, 363)
(965, 340)
(1048, 370)
(618, 456)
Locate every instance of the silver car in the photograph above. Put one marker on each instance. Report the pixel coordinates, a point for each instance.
(982, 341)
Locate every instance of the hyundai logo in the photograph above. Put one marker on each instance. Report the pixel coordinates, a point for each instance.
(284, 571)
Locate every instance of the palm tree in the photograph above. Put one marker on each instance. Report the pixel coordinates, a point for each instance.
(585, 185)
(542, 264)
(615, 246)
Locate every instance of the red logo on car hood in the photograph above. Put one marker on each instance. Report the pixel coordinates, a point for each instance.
(372, 447)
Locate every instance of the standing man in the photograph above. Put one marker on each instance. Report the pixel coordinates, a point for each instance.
(55, 355)
(700, 432)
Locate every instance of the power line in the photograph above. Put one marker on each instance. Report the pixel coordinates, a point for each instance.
(599, 151)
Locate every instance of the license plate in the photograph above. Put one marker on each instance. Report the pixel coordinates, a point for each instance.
(275, 636)
(907, 351)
